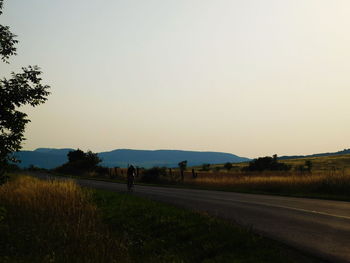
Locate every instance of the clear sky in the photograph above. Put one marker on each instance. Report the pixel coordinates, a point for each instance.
(248, 77)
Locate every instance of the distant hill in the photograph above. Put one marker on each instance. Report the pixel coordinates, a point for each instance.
(50, 158)
(43, 158)
(345, 151)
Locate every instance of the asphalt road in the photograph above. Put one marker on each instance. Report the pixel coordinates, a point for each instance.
(319, 227)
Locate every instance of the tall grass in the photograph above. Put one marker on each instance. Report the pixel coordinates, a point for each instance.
(322, 184)
(53, 221)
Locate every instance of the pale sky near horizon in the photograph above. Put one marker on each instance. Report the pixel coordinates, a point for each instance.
(248, 77)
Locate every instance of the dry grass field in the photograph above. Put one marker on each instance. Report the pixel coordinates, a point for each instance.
(52, 221)
(329, 178)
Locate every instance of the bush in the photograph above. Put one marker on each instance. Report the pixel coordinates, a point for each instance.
(80, 163)
(33, 168)
(228, 166)
(153, 175)
(266, 163)
(205, 167)
(102, 171)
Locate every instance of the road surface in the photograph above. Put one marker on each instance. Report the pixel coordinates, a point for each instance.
(319, 227)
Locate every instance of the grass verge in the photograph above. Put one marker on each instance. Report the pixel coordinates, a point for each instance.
(53, 221)
(314, 186)
(57, 221)
(156, 232)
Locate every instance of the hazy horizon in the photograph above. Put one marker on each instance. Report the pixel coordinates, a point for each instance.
(252, 78)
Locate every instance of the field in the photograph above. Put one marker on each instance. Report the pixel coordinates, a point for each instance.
(52, 221)
(57, 221)
(329, 178)
(336, 164)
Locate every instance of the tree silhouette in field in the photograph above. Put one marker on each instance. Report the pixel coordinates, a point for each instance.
(205, 167)
(228, 166)
(308, 165)
(153, 174)
(21, 89)
(77, 155)
(80, 162)
(267, 163)
(183, 166)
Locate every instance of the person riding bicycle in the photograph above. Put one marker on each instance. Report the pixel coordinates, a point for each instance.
(131, 177)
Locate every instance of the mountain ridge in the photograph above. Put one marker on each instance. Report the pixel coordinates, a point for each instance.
(50, 157)
(345, 151)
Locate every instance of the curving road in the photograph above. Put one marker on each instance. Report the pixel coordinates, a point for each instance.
(320, 227)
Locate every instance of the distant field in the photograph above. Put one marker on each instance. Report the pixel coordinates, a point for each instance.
(328, 179)
(328, 164)
(325, 164)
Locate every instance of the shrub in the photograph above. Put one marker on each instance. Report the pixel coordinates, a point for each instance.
(205, 167)
(80, 163)
(101, 171)
(266, 163)
(153, 175)
(228, 166)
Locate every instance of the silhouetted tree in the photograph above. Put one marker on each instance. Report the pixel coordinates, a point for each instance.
(79, 162)
(92, 159)
(183, 166)
(228, 166)
(21, 89)
(308, 165)
(77, 155)
(205, 167)
(153, 174)
(267, 163)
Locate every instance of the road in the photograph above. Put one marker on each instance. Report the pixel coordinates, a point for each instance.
(319, 227)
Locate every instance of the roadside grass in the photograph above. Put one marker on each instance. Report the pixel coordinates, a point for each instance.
(157, 232)
(53, 221)
(58, 221)
(322, 186)
(329, 179)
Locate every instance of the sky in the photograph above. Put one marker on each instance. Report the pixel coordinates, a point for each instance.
(250, 77)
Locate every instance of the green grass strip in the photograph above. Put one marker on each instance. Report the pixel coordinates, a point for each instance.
(157, 232)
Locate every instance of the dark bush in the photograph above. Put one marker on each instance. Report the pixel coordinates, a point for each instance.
(267, 163)
(153, 175)
(228, 166)
(205, 167)
(13, 168)
(33, 168)
(80, 162)
(100, 170)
